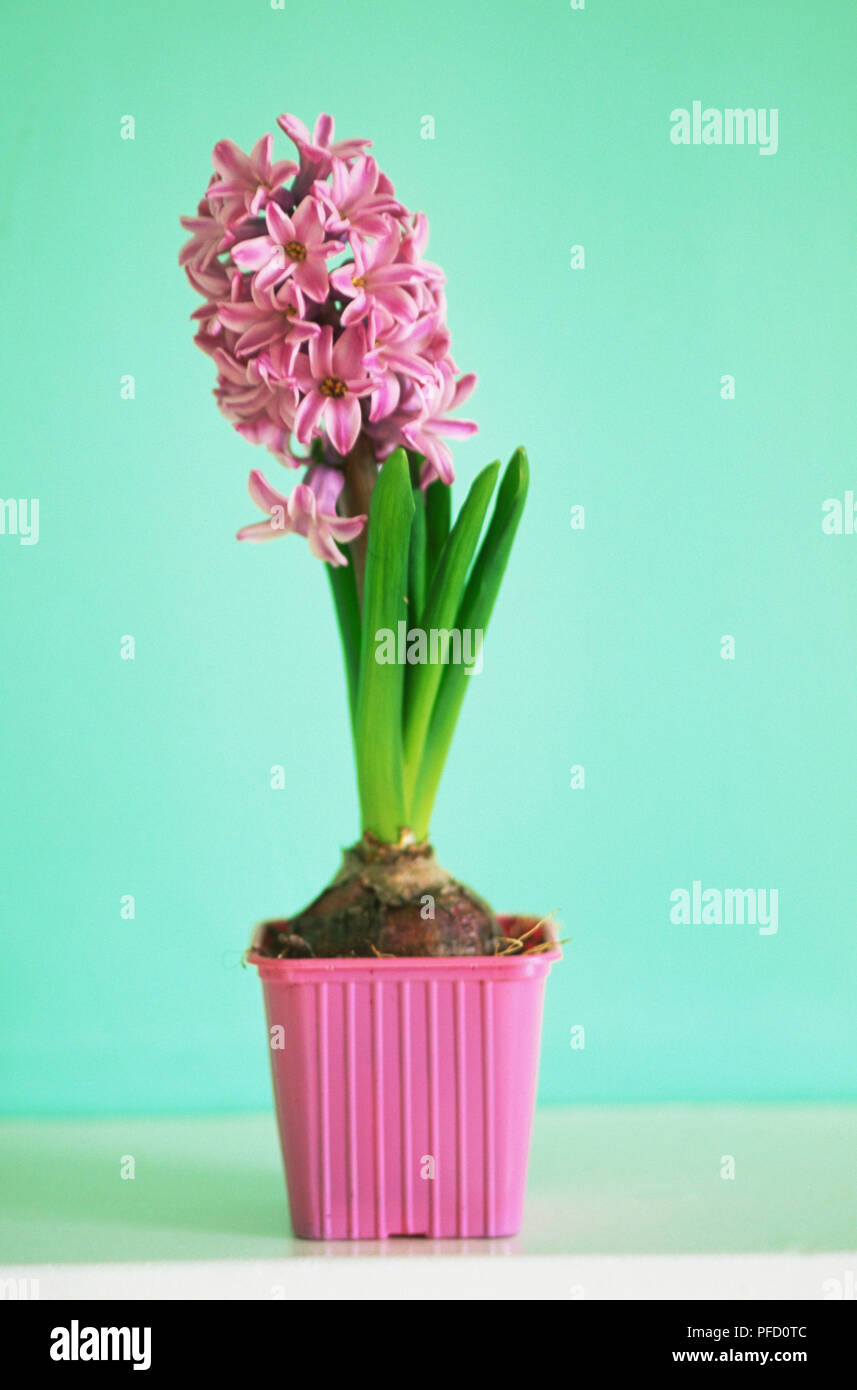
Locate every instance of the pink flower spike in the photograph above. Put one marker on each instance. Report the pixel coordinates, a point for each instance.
(311, 344)
(310, 511)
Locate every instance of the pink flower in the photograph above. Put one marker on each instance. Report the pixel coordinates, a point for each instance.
(205, 242)
(424, 435)
(267, 318)
(241, 393)
(318, 151)
(263, 430)
(373, 280)
(414, 243)
(406, 348)
(246, 182)
(310, 511)
(211, 283)
(360, 198)
(332, 379)
(294, 246)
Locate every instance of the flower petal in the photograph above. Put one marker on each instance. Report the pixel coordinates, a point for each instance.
(253, 254)
(295, 129)
(259, 531)
(265, 496)
(321, 353)
(342, 419)
(230, 161)
(347, 361)
(280, 226)
(311, 275)
(308, 413)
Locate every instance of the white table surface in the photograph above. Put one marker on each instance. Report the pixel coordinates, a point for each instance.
(623, 1202)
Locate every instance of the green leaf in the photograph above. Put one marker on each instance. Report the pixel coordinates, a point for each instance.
(438, 497)
(474, 613)
(416, 576)
(343, 586)
(378, 724)
(439, 615)
(417, 560)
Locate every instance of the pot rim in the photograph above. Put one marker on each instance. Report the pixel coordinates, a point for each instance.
(367, 967)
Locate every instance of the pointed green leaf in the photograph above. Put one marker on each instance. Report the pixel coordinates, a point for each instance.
(441, 609)
(378, 725)
(343, 586)
(417, 561)
(438, 497)
(474, 613)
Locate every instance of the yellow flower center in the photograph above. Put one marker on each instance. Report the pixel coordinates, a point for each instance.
(332, 386)
(295, 250)
(358, 282)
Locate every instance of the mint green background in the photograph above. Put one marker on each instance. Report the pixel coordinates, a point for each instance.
(703, 517)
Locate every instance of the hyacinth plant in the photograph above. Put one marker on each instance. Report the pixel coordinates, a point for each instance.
(327, 327)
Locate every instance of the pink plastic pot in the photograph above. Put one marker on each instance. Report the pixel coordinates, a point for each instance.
(405, 1090)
